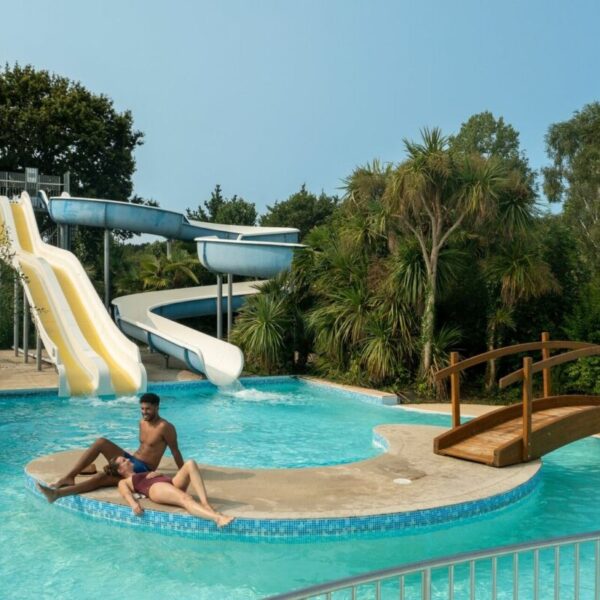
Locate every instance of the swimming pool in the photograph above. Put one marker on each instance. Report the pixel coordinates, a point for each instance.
(76, 558)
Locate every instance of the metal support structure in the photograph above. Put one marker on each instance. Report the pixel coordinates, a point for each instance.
(169, 249)
(229, 304)
(107, 268)
(38, 351)
(465, 579)
(25, 327)
(16, 316)
(220, 307)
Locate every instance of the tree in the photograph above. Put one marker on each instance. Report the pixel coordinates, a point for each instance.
(57, 125)
(302, 210)
(486, 136)
(574, 176)
(218, 209)
(432, 195)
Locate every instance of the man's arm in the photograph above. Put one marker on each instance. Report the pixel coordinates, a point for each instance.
(170, 436)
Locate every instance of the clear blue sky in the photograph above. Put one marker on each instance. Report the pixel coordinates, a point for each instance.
(261, 96)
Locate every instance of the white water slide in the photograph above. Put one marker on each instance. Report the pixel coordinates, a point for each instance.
(91, 355)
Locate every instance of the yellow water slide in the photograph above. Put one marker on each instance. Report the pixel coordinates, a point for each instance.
(93, 356)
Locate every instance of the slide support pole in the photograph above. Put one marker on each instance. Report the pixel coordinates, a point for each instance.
(220, 306)
(229, 304)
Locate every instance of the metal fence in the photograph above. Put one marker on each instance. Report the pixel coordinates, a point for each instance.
(30, 181)
(565, 568)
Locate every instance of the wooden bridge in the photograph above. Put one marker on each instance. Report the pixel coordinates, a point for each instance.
(526, 431)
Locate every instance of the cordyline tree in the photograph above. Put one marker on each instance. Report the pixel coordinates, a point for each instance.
(431, 196)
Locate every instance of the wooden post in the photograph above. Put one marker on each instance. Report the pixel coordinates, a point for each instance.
(546, 372)
(527, 408)
(455, 391)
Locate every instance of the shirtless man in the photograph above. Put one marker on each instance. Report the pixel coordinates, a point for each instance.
(156, 435)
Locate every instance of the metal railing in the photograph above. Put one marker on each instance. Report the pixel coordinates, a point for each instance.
(560, 568)
(13, 183)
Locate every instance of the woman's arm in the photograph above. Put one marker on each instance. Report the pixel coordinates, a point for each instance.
(126, 489)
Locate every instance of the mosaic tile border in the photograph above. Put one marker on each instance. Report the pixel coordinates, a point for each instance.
(171, 386)
(291, 530)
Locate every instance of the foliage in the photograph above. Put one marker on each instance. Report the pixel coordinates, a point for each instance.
(484, 135)
(56, 125)
(574, 176)
(264, 328)
(302, 210)
(218, 209)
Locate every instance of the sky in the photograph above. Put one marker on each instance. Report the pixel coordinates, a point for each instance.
(263, 96)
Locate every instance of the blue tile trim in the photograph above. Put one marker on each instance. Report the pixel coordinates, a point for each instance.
(172, 386)
(291, 530)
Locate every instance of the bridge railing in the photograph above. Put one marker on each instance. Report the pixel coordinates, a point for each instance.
(565, 567)
(578, 350)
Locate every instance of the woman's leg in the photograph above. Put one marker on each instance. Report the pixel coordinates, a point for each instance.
(101, 446)
(166, 493)
(191, 473)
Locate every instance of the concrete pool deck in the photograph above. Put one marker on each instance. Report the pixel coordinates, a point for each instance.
(408, 478)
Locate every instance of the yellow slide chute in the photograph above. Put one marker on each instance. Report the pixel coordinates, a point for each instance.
(92, 356)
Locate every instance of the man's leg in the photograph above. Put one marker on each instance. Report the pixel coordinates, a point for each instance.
(101, 446)
(93, 483)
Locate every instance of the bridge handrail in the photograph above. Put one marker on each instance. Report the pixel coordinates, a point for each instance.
(508, 350)
(559, 359)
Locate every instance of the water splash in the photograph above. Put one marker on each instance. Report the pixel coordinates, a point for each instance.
(96, 401)
(239, 392)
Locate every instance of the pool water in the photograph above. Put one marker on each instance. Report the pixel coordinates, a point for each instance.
(48, 552)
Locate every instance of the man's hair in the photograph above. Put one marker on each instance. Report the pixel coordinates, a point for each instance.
(112, 468)
(150, 398)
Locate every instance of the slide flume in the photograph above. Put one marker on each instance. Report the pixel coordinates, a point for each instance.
(91, 354)
(148, 317)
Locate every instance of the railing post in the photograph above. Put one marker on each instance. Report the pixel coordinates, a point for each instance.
(527, 397)
(455, 391)
(546, 372)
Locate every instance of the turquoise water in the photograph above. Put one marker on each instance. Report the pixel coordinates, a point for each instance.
(287, 424)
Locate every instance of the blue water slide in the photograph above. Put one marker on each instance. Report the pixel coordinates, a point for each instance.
(233, 249)
(110, 214)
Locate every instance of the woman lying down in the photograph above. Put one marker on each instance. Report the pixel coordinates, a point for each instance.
(163, 489)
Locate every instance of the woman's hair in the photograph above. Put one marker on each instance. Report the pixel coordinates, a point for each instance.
(112, 468)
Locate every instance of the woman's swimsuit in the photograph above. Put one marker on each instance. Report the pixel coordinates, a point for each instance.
(141, 485)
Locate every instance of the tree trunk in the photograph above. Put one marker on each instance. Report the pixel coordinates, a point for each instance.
(428, 329)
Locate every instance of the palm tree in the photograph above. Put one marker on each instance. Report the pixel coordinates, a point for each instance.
(431, 196)
(261, 330)
(515, 273)
(160, 272)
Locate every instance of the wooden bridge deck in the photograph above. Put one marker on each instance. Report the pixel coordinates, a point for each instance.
(496, 439)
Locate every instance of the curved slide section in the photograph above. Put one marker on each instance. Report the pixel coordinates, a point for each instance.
(148, 316)
(110, 214)
(92, 355)
(236, 249)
